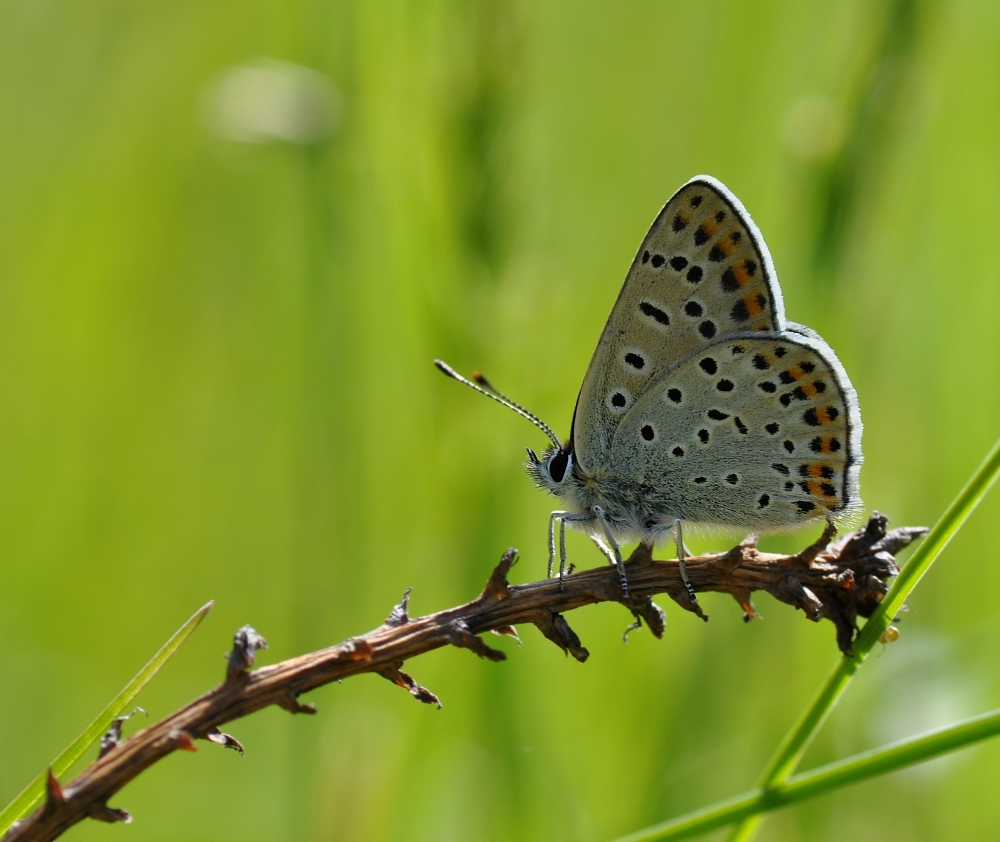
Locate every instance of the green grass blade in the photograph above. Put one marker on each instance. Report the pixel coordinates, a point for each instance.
(790, 752)
(33, 793)
(823, 780)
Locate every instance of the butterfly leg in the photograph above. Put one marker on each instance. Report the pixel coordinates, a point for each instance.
(561, 517)
(562, 552)
(552, 538)
(682, 553)
(614, 554)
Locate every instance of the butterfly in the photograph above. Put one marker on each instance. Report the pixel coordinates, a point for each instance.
(702, 405)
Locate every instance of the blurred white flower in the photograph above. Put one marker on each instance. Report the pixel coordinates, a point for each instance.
(265, 100)
(814, 129)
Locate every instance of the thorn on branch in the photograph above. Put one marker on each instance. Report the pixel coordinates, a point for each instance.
(290, 702)
(742, 597)
(459, 635)
(399, 615)
(113, 735)
(103, 813)
(805, 599)
(813, 551)
(246, 642)
(181, 740)
(54, 798)
(355, 649)
(680, 595)
(859, 566)
(643, 608)
(225, 740)
(401, 679)
(497, 586)
(641, 555)
(747, 548)
(721, 567)
(897, 539)
(508, 631)
(556, 629)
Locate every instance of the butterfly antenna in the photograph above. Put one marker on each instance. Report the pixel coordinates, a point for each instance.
(483, 386)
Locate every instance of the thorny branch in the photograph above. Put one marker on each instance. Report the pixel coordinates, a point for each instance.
(839, 581)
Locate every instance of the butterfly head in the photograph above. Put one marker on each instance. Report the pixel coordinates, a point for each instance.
(553, 470)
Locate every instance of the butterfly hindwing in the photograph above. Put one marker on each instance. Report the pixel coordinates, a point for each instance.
(702, 273)
(758, 430)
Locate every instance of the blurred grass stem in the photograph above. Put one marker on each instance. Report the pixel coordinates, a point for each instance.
(793, 747)
(32, 794)
(825, 779)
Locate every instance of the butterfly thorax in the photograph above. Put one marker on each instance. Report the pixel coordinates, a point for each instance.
(634, 511)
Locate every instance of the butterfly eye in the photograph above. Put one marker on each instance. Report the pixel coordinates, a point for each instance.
(557, 466)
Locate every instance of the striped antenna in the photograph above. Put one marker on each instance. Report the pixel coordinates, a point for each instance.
(484, 387)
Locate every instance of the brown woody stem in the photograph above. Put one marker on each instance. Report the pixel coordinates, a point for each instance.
(839, 581)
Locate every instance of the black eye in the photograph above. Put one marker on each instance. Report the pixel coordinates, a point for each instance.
(557, 466)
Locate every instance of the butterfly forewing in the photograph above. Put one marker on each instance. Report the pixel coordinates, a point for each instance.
(701, 274)
(759, 431)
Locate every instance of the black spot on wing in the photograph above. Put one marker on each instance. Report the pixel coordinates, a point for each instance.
(635, 360)
(654, 313)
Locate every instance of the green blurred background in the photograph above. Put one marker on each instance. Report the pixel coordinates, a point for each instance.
(222, 283)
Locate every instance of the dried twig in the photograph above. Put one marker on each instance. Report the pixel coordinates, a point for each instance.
(839, 581)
